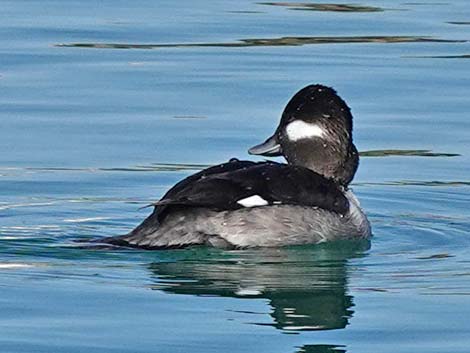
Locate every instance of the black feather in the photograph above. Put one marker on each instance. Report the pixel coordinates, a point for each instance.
(221, 186)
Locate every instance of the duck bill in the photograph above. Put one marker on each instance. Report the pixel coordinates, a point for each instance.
(269, 148)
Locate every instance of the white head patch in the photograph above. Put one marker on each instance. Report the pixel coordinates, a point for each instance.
(299, 129)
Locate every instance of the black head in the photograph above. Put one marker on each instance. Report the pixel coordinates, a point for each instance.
(315, 132)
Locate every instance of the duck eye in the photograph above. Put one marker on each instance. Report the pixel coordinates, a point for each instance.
(299, 129)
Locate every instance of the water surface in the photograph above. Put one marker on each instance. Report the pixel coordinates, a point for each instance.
(105, 105)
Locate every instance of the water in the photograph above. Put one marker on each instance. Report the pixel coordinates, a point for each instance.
(104, 105)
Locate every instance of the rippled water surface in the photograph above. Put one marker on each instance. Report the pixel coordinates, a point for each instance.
(104, 105)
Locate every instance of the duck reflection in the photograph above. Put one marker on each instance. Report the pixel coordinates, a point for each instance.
(306, 286)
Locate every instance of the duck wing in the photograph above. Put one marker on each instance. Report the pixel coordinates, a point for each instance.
(239, 184)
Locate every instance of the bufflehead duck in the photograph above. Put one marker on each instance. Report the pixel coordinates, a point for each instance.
(242, 204)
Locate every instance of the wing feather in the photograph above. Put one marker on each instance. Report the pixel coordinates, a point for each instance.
(221, 187)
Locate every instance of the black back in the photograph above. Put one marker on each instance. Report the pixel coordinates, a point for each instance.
(220, 187)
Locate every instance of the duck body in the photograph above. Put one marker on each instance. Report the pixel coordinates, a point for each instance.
(242, 204)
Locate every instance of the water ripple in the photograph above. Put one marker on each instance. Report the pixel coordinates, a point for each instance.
(462, 56)
(324, 7)
(257, 42)
(461, 23)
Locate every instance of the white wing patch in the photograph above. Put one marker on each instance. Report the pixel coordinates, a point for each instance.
(299, 129)
(253, 201)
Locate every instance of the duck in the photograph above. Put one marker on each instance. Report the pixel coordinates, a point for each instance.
(244, 204)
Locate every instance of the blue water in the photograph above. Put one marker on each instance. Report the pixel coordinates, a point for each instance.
(104, 105)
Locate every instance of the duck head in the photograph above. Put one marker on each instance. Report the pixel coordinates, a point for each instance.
(315, 132)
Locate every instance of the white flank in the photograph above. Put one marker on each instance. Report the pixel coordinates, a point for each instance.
(252, 201)
(299, 129)
(357, 215)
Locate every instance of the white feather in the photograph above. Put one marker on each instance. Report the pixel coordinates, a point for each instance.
(356, 214)
(252, 201)
(299, 129)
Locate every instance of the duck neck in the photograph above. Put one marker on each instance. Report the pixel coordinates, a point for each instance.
(339, 166)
